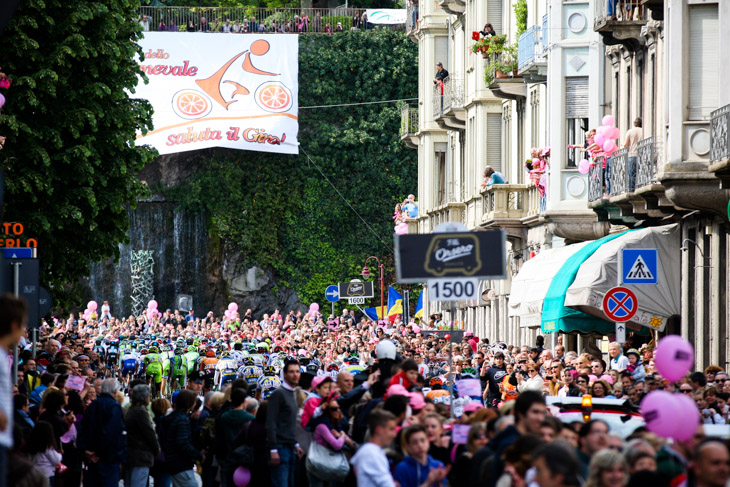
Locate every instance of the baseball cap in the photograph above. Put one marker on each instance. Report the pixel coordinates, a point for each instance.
(469, 334)
(439, 64)
(471, 407)
(317, 381)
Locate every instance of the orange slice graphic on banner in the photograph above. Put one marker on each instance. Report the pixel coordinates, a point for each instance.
(191, 104)
(274, 97)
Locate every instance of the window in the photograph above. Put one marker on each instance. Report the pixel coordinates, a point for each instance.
(703, 66)
(576, 135)
(507, 138)
(639, 88)
(616, 97)
(440, 159)
(534, 117)
(520, 176)
(494, 141)
(628, 97)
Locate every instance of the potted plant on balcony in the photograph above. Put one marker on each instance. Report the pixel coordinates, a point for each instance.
(481, 45)
(510, 59)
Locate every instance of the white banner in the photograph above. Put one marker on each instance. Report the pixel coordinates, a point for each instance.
(386, 15)
(221, 90)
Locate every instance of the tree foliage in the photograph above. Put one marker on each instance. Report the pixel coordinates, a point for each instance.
(70, 163)
(278, 210)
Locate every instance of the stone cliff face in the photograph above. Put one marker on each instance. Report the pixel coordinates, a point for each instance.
(188, 261)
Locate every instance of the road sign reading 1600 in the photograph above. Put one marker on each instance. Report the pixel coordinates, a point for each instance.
(356, 289)
(425, 257)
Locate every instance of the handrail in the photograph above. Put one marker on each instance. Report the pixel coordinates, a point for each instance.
(595, 182)
(620, 174)
(720, 134)
(647, 160)
(408, 120)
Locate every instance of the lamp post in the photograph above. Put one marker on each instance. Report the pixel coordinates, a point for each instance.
(366, 274)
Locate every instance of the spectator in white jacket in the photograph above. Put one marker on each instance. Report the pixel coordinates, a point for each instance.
(533, 383)
(43, 450)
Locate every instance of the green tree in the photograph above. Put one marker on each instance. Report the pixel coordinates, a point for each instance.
(70, 163)
(278, 210)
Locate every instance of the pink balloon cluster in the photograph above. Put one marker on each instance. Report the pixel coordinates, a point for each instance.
(313, 310)
(670, 415)
(152, 311)
(231, 312)
(90, 311)
(606, 135)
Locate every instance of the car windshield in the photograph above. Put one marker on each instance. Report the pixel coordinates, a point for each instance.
(615, 421)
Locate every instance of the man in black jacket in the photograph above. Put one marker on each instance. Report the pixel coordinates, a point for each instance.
(281, 423)
(180, 454)
(103, 438)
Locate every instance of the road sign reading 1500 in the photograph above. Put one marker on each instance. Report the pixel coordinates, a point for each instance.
(425, 257)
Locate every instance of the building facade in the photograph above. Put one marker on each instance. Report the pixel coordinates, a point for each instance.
(575, 63)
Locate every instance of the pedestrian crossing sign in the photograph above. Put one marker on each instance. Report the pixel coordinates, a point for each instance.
(639, 266)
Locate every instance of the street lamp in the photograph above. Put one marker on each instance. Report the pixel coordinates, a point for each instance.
(366, 274)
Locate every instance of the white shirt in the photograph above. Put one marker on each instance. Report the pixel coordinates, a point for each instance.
(620, 363)
(6, 399)
(371, 467)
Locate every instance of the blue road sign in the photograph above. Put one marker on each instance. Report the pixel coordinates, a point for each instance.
(18, 252)
(639, 266)
(332, 293)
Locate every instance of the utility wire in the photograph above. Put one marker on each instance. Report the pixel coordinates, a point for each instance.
(356, 104)
(347, 202)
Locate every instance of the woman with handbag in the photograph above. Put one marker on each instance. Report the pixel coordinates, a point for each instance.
(326, 461)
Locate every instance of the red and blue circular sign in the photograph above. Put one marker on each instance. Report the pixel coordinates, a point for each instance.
(620, 304)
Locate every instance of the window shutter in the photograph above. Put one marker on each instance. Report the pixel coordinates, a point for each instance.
(494, 15)
(703, 72)
(576, 97)
(494, 141)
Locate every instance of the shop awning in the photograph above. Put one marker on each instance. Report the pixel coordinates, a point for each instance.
(657, 302)
(531, 284)
(558, 317)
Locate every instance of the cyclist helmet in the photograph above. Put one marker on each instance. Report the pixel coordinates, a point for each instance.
(210, 353)
(154, 349)
(312, 369)
(304, 361)
(270, 370)
(144, 351)
(179, 351)
(192, 348)
(225, 354)
(190, 341)
(352, 359)
(333, 368)
(238, 346)
(249, 361)
(436, 381)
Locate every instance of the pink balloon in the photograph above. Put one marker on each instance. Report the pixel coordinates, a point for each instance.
(314, 307)
(2, 100)
(610, 153)
(233, 307)
(584, 166)
(674, 357)
(602, 130)
(609, 146)
(615, 133)
(608, 120)
(599, 139)
(92, 305)
(152, 304)
(690, 415)
(241, 477)
(661, 413)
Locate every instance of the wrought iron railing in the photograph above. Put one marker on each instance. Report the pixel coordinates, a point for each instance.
(528, 47)
(619, 182)
(719, 134)
(438, 100)
(256, 19)
(412, 17)
(595, 182)
(408, 120)
(623, 11)
(453, 93)
(648, 155)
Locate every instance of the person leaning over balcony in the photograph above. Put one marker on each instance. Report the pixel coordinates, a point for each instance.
(488, 31)
(492, 177)
(633, 136)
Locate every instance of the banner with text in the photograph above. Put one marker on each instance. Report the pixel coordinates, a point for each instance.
(387, 16)
(218, 90)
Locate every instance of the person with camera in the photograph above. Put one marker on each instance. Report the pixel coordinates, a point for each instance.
(534, 382)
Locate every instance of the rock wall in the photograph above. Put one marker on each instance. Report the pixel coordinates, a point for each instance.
(187, 259)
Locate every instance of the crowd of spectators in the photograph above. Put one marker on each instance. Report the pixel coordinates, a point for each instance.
(404, 210)
(376, 403)
(299, 24)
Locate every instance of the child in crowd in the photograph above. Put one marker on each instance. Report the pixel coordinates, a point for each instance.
(635, 366)
(43, 450)
(407, 376)
(418, 467)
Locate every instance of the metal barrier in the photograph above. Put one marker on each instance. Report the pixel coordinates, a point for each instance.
(719, 134)
(438, 100)
(647, 161)
(254, 19)
(527, 47)
(453, 93)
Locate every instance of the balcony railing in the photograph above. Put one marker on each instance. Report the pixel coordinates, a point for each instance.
(647, 160)
(453, 93)
(318, 18)
(438, 100)
(595, 182)
(528, 47)
(412, 17)
(618, 11)
(408, 120)
(620, 180)
(720, 135)
(545, 32)
(504, 201)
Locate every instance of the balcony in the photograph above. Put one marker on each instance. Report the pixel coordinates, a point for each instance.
(656, 8)
(531, 62)
(446, 212)
(448, 103)
(624, 193)
(412, 20)
(409, 126)
(622, 27)
(720, 145)
(508, 85)
(453, 7)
